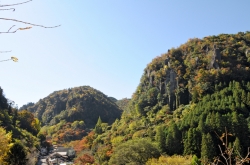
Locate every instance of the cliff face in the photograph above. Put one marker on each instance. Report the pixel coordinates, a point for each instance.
(215, 58)
(80, 103)
(187, 73)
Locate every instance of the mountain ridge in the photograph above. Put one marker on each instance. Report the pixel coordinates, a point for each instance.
(76, 101)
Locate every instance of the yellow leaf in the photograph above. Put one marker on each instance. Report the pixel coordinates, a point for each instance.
(14, 59)
(26, 28)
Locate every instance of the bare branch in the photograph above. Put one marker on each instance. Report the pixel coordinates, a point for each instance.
(5, 51)
(222, 154)
(11, 28)
(5, 60)
(12, 58)
(246, 159)
(9, 9)
(10, 32)
(16, 4)
(8, 19)
(26, 28)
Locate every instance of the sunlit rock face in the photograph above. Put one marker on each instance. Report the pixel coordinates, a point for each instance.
(215, 59)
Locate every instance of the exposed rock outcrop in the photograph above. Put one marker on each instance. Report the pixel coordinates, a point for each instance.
(215, 59)
(148, 72)
(171, 84)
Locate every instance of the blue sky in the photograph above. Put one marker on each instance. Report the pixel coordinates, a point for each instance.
(103, 44)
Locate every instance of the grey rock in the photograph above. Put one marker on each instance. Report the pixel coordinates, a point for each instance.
(171, 80)
(216, 58)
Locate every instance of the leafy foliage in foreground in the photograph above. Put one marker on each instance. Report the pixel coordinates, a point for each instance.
(18, 130)
(17, 154)
(5, 139)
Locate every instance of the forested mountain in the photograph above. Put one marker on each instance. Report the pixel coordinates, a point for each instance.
(69, 114)
(192, 106)
(24, 107)
(79, 103)
(192, 100)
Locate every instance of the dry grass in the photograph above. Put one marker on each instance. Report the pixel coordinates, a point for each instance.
(170, 160)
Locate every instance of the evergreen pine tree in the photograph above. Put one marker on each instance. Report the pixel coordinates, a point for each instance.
(160, 138)
(243, 96)
(237, 146)
(207, 148)
(191, 142)
(218, 121)
(98, 126)
(173, 140)
(201, 125)
(248, 99)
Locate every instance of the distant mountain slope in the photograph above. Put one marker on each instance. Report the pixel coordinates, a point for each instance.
(123, 103)
(79, 103)
(25, 106)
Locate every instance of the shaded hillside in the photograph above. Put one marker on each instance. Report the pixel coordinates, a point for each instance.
(76, 104)
(24, 107)
(187, 98)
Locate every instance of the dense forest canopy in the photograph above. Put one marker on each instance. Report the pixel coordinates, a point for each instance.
(79, 103)
(69, 114)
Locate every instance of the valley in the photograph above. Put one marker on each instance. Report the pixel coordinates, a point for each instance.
(191, 106)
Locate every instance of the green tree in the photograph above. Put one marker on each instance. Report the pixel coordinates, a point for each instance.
(243, 96)
(248, 99)
(134, 152)
(219, 122)
(28, 122)
(160, 138)
(238, 147)
(98, 126)
(201, 125)
(192, 142)
(207, 148)
(195, 160)
(173, 140)
(17, 154)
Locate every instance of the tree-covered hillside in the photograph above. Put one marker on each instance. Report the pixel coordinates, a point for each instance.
(79, 103)
(190, 101)
(69, 114)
